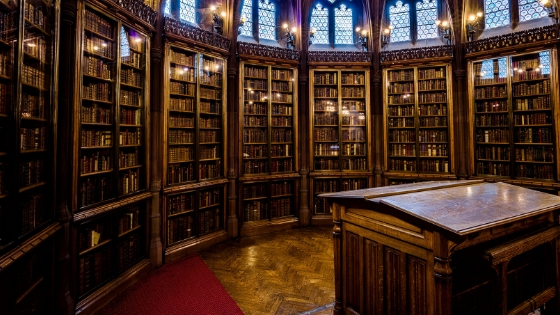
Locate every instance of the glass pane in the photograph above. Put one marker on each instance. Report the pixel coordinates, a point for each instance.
(531, 9)
(187, 11)
(267, 20)
(545, 62)
(167, 7)
(320, 22)
(426, 12)
(400, 20)
(247, 13)
(343, 25)
(496, 13)
(494, 68)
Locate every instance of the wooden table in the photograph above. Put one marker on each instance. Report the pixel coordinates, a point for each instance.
(447, 247)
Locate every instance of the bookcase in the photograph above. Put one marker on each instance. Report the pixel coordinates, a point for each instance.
(269, 146)
(513, 125)
(196, 116)
(340, 142)
(418, 126)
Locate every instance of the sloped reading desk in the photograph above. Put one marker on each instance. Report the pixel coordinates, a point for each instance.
(447, 247)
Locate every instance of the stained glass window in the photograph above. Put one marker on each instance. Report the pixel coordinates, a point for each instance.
(167, 9)
(267, 20)
(496, 13)
(490, 67)
(544, 57)
(187, 11)
(332, 1)
(343, 27)
(247, 13)
(399, 17)
(320, 22)
(125, 46)
(531, 9)
(426, 12)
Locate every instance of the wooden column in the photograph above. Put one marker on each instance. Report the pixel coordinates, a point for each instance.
(303, 119)
(337, 250)
(376, 12)
(64, 158)
(442, 274)
(157, 115)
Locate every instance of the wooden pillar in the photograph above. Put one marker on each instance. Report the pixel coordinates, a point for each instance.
(337, 250)
(64, 155)
(442, 274)
(303, 119)
(376, 12)
(157, 115)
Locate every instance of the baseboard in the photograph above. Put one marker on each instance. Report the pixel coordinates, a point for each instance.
(194, 245)
(322, 220)
(264, 227)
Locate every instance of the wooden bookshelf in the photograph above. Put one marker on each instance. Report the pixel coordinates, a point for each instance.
(196, 116)
(418, 121)
(266, 200)
(513, 123)
(340, 142)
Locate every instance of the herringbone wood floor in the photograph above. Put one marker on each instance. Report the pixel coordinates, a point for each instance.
(287, 272)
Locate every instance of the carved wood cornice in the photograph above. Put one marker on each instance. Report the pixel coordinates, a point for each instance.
(433, 53)
(268, 53)
(194, 35)
(340, 57)
(517, 41)
(139, 9)
(133, 11)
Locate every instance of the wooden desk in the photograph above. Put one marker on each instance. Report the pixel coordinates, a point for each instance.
(449, 247)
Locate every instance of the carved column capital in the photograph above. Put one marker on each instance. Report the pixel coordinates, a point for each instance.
(461, 74)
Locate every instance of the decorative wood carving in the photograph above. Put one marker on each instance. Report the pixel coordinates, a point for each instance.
(353, 271)
(84, 215)
(196, 35)
(339, 57)
(542, 35)
(139, 9)
(268, 52)
(445, 51)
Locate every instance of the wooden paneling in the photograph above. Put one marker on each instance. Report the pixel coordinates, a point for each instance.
(394, 266)
(353, 279)
(373, 274)
(416, 285)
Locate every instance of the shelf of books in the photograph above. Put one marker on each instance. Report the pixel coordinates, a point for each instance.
(418, 125)
(196, 117)
(323, 185)
(513, 122)
(112, 115)
(108, 245)
(268, 199)
(340, 142)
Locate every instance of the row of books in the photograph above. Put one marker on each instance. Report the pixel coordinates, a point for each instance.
(33, 76)
(286, 165)
(490, 92)
(209, 136)
(181, 154)
(326, 105)
(8, 23)
(407, 110)
(255, 84)
(209, 221)
(255, 121)
(494, 80)
(129, 159)
(181, 203)
(494, 106)
(433, 121)
(182, 73)
(255, 151)
(255, 210)
(210, 107)
(433, 73)
(129, 182)
(97, 67)
(282, 121)
(98, 46)
(259, 96)
(281, 98)
(209, 152)
(93, 234)
(181, 104)
(281, 135)
(432, 85)
(400, 122)
(493, 153)
(492, 168)
(326, 78)
(432, 135)
(281, 86)
(534, 135)
(211, 65)
(97, 91)
(406, 87)
(402, 165)
(180, 137)
(281, 74)
(35, 46)
(281, 110)
(5, 95)
(210, 122)
(326, 92)
(534, 74)
(255, 136)
(131, 98)
(524, 89)
(33, 212)
(325, 134)
(181, 58)
(541, 102)
(321, 206)
(281, 150)
(35, 14)
(358, 164)
(95, 114)
(280, 207)
(433, 150)
(256, 72)
(352, 78)
(179, 229)
(94, 22)
(354, 120)
(402, 150)
(180, 121)
(535, 171)
(131, 116)
(325, 186)
(94, 269)
(493, 135)
(255, 167)
(401, 75)
(354, 134)
(132, 58)
(33, 138)
(209, 197)
(281, 188)
(182, 88)
(326, 119)
(129, 251)
(533, 119)
(402, 135)
(94, 190)
(28, 271)
(131, 77)
(535, 154)
(208, 170)
(128, 137)
(214, 79)
(432, 97)
(254, 191)
(255, 109)
(400, 99)
(435, 166)
(96, 138)
(95, 162)
(326, 149)
(177, 174)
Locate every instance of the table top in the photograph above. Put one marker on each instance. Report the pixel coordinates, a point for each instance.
(461, 208)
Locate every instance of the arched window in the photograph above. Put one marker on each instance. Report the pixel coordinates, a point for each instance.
(496, 13)
(399, 18)
(426, 15)
(247, 13)
(320, 23)
(267, 20)
(333, 22)
(167, 9)
(531, 9)
(187, 10)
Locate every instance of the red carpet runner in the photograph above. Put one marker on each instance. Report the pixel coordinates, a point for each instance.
(186, 286)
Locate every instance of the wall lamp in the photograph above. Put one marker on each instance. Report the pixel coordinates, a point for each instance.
(311, 36)
(362, 38)
(241, 23)
(550, 8)
(218, 20)
(473, 25)
(290, 37)
(444, 28)
(386, 36)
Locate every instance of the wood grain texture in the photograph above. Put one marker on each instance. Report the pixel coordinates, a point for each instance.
(288, 272)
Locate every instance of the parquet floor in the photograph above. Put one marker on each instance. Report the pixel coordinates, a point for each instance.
(289, 272)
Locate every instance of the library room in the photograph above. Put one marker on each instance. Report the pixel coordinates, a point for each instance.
(276, 157)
